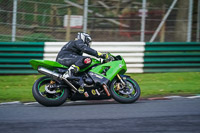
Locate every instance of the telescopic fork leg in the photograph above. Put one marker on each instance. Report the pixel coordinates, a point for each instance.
(121, 80)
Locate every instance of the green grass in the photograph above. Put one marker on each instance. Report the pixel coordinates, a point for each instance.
(19, 88)
(164, 84)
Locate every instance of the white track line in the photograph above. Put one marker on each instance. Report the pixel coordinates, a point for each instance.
(192, 97)
(10, 103)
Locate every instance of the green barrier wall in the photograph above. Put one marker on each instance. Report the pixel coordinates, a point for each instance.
(158, 57)
(15, 56)
(172, 57)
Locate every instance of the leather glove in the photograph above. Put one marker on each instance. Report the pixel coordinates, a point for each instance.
(103, 56)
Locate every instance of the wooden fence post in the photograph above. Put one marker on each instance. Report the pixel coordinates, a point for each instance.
(68, 29)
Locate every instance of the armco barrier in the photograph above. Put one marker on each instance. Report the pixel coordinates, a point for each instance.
(139, 56)
(15, 56)
(172, 57)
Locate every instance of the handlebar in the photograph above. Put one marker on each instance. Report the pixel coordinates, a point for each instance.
(110, 58)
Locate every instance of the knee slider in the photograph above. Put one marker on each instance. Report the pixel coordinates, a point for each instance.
(87, 61)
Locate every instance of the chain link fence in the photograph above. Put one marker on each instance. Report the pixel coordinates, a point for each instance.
(108, 20)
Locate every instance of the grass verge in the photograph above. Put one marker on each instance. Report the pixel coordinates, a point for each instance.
(165, 84)
(19, 87)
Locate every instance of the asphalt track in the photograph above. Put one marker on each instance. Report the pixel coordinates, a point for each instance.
(145, 116)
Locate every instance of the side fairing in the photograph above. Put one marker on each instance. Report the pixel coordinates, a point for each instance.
(113, 68)
(53, 64)
(94, 62)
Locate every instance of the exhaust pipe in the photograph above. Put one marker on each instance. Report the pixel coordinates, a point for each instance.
(49, 73)
(55, 76)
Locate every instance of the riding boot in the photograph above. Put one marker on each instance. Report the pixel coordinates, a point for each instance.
(71, 71)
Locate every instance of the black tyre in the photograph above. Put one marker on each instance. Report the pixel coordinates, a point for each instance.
(46, 92)
(128, 94)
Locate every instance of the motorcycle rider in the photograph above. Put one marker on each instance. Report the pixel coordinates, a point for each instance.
(71, 54)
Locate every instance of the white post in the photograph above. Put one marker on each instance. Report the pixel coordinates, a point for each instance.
(189, 31)
(85, 16)
(142, 36)
(163, 21)
(14, 20)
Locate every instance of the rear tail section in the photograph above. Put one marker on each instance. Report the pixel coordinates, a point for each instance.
(46, 64)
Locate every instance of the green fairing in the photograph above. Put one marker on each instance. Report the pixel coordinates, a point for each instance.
(46, 63)
(52, 64)
(94, 62)
(116, 67)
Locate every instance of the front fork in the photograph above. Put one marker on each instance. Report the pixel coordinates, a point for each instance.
(121, 80)
(118, 85)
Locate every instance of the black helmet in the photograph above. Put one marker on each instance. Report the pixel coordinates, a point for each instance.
(85, 37)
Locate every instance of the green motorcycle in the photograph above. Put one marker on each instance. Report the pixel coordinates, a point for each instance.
(102, 79)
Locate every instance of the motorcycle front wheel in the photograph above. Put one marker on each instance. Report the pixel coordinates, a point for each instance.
(125, 94)
(46, 92)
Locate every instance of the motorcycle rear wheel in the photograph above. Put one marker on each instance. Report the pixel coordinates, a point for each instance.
(48, 97)
(128, 94)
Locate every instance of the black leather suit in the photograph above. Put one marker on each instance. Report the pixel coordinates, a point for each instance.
(71, 53)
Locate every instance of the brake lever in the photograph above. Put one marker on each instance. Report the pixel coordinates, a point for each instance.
(111, 58)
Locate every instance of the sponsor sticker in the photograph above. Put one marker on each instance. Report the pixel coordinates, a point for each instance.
(87, 61)
(96, 75)
(81, 90)
(86, 94)
(93, 92)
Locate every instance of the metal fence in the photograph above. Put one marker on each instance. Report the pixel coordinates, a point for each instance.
(105, 20)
